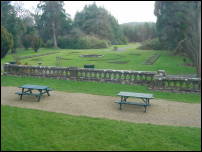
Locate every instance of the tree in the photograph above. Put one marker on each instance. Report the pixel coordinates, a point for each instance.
(26, 40)
(96, 21)
(29, 29)
(171, 22)
(52, 20)
(139, 31)
(11, 22)
(6, 41)
(35, 43)
(179, 28)
(191, 44)
(199, 25)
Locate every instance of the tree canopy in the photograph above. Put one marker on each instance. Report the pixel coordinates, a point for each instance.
(178, 27)
(53, 21)
(94, 20)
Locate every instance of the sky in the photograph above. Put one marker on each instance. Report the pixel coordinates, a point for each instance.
(123, 11)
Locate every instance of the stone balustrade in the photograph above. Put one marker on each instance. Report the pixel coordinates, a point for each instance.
(157, 80)
(176, 84)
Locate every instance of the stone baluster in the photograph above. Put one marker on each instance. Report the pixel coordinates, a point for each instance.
(134, 77)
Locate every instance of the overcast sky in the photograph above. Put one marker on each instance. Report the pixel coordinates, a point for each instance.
(123, 11)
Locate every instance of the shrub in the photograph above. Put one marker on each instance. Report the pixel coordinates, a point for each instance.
(16, 58)
(36, 43)
(6, 41)
(49, 44)
(18, 62)
(26, 41)
(153, 44)
(84, 42)
(115, 48)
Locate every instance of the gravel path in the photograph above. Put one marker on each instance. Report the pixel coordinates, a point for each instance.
(160, 112)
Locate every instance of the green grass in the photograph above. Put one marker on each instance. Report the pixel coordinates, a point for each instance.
(98, 88)
(27, 130)
(133, 58)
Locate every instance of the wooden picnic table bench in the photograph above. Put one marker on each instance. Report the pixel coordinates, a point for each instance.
(42, 90)
(125, 95)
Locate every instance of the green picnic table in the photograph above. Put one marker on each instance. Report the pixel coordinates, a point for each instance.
(27, 90)
(144, 96)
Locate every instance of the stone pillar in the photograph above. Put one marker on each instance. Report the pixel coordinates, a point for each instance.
(73, 73)
(161, 73)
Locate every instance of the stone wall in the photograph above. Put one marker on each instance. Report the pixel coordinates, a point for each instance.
(154, 80)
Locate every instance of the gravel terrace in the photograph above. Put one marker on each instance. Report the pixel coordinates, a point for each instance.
(160, 112)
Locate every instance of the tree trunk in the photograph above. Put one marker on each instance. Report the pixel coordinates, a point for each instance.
(54, 36)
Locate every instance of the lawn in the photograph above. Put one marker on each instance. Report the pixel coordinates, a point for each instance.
(27, 129)
(129, 59)
(97, 88)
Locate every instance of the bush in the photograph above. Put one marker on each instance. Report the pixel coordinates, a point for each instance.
(49, 44)
(6, 41)
(153, 44)
(84, 42)
(115, 48)
(26, 41)
(36, 43)
(16, 57)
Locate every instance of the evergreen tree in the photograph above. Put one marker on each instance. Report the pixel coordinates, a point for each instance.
(52, 21)
(179, 28)
(11, 22)
(6, 41)
(94, 20)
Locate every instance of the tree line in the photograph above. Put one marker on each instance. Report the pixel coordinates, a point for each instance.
(51, 26)
(139, 31)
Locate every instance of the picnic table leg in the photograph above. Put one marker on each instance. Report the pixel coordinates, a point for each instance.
(145, 108)
(30, 90)
(146, 101)
(22, 94)
(125, 98)
(122, 100)
(48, 92)
(39, 95)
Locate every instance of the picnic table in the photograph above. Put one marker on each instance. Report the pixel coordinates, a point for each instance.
(27, 90)
(125, 95)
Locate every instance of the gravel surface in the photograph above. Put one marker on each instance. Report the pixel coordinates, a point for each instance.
(160, 112)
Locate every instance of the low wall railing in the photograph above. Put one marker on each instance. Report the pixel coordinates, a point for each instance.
(156, 80)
